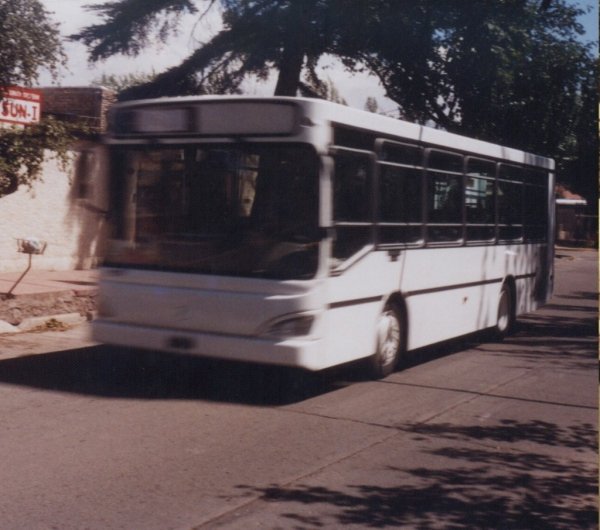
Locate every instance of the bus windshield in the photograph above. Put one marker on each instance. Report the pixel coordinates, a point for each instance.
(228, 209)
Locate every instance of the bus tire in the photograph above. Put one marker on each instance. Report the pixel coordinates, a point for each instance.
(505, 319)
(390, 342)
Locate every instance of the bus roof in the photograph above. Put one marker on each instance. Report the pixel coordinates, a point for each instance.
(322, 111)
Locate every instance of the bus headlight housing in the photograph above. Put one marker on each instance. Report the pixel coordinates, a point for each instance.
(105, 309)
(290, 326)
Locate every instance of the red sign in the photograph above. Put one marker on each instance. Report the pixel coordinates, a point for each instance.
(20, 106)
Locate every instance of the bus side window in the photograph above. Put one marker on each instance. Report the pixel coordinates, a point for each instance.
(444, 196)
(400, 205)
(510, 202)
(480, 200)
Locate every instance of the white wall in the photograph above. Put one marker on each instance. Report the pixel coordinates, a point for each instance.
(65, 209)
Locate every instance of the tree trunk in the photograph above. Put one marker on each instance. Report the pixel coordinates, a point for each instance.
(294, 48)
(290, 69)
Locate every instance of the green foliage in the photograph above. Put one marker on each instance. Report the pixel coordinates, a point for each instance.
(22, 151)
(257, 37)
(129, 25)
(505, 72)
(118, 83)
(314, 87)
(29, 42)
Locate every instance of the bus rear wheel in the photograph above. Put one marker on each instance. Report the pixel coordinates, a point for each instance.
(505, 319)
(389, 343)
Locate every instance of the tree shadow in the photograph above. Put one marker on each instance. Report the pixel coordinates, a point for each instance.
(477, 486)
(578, 295)
(131, 374)
(571, 343)
(580, 437)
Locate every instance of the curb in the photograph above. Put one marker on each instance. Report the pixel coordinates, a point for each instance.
(47, 322)
(5, 327)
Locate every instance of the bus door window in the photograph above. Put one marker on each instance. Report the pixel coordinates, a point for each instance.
(444, 196)
(352, 202)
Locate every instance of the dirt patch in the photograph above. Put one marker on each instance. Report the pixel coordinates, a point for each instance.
(15, 310)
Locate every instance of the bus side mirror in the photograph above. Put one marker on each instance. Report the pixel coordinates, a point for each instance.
(393, 253)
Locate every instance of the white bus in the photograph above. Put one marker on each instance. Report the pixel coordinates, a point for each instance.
(304, 233)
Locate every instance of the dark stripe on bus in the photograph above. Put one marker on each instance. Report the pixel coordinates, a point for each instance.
(356, 301)
(372, 299)
(464, 285)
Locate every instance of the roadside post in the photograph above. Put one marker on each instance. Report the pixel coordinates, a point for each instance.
(29, 246)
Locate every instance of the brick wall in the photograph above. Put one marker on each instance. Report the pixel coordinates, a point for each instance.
(89, 103)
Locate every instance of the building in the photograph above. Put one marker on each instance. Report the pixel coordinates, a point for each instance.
(574, 225)
(66, 209)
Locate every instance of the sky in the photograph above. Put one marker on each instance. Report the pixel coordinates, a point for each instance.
(72, 16)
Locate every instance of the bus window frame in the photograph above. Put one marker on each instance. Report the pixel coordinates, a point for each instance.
(424, 224)
(380, 144)
(521, 168)
(494, 224)
(333, 152)
(538, 183)
(461, 240)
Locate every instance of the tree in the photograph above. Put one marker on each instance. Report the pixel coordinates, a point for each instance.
(22, 151)
(579, 159)
(30, 42)
(258, 36)
(371, 105)
(508, 71)
(118, 83)
(481, 71)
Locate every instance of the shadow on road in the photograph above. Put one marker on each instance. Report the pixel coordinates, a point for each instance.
(125, 373)
(481, 487)
(130, 374)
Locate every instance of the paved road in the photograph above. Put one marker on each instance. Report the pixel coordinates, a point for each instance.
(474, 435)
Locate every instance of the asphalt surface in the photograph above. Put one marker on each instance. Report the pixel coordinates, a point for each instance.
(474, 434)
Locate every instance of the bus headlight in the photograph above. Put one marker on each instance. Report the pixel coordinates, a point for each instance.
(290, 326)
(104, 308)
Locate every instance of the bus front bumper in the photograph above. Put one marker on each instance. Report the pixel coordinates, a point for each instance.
(297, 352)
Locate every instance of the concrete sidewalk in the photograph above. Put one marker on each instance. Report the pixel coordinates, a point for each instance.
(37, 282)
(42, 298)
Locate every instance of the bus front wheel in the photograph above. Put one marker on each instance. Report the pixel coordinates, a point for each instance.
(389, 343)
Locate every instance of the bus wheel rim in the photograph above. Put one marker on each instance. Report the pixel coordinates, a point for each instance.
(389, 337)
(503, 311)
